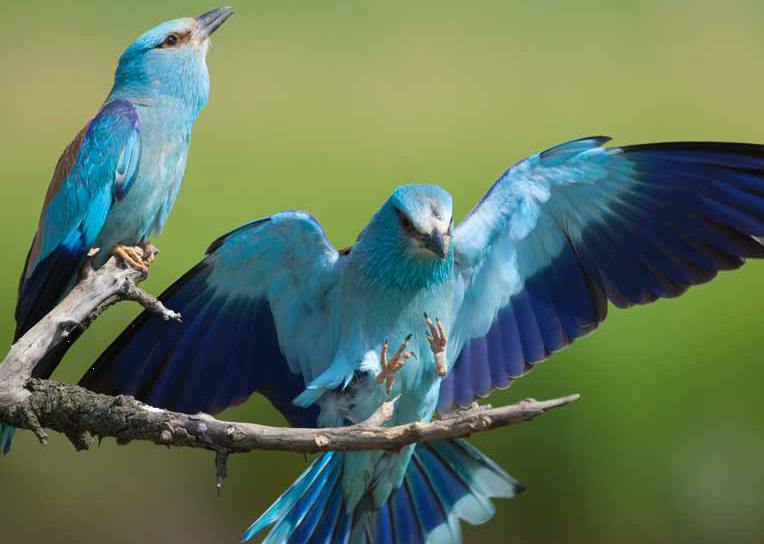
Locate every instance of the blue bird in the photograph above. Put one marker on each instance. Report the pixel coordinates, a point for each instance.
(115, 184)
(275, 309)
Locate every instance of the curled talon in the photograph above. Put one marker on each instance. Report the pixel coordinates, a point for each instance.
(150, 252)
(389, 368)
(438, 340)
(131, 256)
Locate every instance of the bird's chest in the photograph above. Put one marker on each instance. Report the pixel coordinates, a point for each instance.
(391, 317)
(163, 163)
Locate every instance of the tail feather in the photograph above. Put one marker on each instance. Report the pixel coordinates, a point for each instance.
(405, 520)
(289, 499)
(45, 286)
(299, 525)
(445, 482)
(6, 438)
(324, 521)
(430, 507)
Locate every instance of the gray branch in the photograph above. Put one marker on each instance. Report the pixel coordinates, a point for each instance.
(82, 415)
(96, 291)
(78, 412)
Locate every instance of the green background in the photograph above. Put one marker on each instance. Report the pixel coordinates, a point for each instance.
(328, 106)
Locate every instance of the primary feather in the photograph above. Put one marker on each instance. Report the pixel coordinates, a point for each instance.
(274, 308)
(564, 231)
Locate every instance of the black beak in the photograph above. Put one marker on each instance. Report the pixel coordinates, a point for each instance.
(435, 243)
(209, 22)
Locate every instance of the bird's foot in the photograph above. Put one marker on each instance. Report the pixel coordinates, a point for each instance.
(438, 340)
(389, 368)
(132, 256)
(150, 252)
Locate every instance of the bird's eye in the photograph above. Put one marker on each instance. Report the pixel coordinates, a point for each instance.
(406, 223)
(170, 41)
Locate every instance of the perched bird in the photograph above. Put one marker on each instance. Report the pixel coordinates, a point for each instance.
(115, 184)
(274, 308)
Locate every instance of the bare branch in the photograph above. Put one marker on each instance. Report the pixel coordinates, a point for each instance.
(81, 413)
(96, 291)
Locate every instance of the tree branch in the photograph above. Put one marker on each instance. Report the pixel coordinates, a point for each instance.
(78, 412)
(81, 414)
(96, 291)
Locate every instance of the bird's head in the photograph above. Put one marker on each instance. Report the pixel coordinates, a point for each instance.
(170, 61)
(422, 220)
(408, 242)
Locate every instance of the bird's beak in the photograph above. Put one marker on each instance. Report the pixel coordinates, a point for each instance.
(209, 22)
(436, 243)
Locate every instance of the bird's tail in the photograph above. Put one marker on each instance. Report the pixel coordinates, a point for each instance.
(6, 438)
(445, 481)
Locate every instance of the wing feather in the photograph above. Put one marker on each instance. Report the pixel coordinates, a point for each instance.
(99, 165)
(564, 231)
(254, 311)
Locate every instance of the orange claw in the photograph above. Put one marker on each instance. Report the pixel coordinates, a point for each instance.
(389, 368)
(438, 340)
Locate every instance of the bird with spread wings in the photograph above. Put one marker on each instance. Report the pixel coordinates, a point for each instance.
(435, 315)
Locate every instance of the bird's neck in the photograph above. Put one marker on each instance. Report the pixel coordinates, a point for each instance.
(388, 266)
(169, 113)
(184, 95)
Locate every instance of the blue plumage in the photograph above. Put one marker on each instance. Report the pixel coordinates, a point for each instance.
(6, 438)
(104, 167)
(274, 308)
(115, 184)
(445, 481)
(197, 366)
(626, 224)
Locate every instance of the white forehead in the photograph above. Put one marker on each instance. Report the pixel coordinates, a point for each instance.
(427, 206)
(432, 222)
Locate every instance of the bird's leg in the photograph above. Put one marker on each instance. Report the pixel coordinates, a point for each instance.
(150, 253)
(132, 256)
(437, 339)
(389, 368)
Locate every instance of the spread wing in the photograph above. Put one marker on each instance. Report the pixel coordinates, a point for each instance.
(255, 319)
(564, 231)
(99, 166)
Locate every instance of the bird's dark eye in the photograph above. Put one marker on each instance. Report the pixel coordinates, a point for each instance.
(170, 40)
(406, 223)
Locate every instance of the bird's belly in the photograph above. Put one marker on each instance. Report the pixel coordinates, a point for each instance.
(417, 383)
(375, 318)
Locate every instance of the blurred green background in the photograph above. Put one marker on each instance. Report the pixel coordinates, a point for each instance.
(327, 106)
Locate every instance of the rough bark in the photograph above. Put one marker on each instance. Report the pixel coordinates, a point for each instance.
(82, 414)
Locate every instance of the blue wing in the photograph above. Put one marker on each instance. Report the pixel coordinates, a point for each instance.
(99, 166)
(564, 231)
(255, 319)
